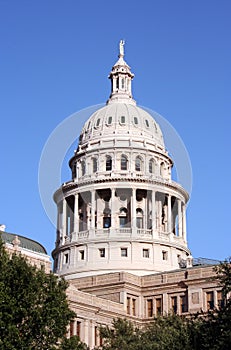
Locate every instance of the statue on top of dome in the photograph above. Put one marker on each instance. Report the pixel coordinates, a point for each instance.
(122, 43)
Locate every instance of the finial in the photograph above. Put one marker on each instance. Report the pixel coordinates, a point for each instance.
(122, 43)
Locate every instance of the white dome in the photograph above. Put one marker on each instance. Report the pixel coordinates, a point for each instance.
(121, 119)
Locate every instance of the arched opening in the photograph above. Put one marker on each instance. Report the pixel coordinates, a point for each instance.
(123, 217)
(94, 165)
(107, 218)
(138, 164)
(123, 162)
(83, 167)
(108, 163)
(162, 169)
(151, 166)
(139, 218)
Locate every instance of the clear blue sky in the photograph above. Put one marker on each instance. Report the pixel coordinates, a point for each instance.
(55, 58)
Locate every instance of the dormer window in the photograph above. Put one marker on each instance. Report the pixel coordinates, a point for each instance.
(135, 120)
(122, 119)
(109, 121)
(147, 123)
(98, 122)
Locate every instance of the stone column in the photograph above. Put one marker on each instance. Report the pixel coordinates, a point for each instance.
(59, 228)
(169, 214)
(165, 303)
(184, 223)
(76, 216)
(93, 209)
(179, 218)
(145, 214)
(113, 209)
(86, 331)
(64, 228)
(133, 203)
(153, 213)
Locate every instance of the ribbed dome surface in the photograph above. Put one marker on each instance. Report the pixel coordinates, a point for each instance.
(121, 119)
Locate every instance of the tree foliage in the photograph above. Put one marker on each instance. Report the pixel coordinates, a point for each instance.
(34, 311)
(72, 343)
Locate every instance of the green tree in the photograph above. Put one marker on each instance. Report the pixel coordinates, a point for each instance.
(164, 333)
(121, 336)
(73, 343)
(34, 311)
(167, 332)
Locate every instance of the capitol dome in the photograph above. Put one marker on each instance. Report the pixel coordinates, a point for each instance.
(117, 119)
(121, 211)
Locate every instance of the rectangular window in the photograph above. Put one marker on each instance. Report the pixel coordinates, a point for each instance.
(145, 253)
(133, 307)
(128, 305)
(124, 252)
(174, 304)
(210, 300)
(102, 252)
(183, 303)
(158, 306)
(81, 254)
(78, 329)
(150, 307)
(220, 299)
(72, 324)
(164, 255)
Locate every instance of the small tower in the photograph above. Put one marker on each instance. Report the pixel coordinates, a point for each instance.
(121, 77)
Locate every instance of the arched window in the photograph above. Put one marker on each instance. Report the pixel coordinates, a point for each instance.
(83, 167)
(162, 169)
(123, 162)
(151, 166)
(122, 83)
(139, 218)
(123, 217)
(138, 163)
(106, 218)
(108, 163)
(94, 165)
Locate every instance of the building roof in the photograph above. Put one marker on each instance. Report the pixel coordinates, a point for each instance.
(25, 242)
